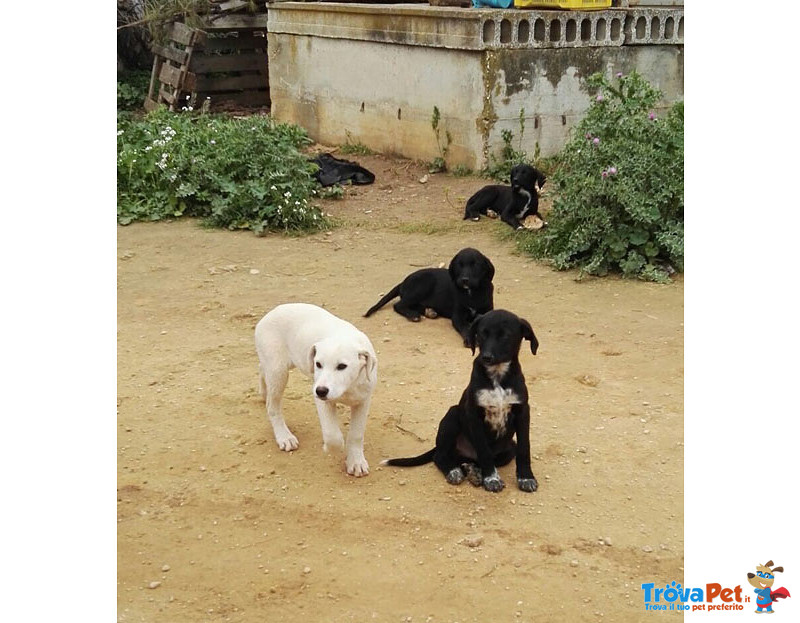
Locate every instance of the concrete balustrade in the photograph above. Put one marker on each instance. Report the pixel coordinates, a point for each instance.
(377, 71)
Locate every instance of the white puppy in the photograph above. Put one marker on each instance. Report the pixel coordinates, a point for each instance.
(338, 356)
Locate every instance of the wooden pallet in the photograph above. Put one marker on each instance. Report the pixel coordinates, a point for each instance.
(224, 62)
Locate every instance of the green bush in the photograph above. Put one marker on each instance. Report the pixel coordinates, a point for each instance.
(132, 88)
(618, 186)
(244, 173)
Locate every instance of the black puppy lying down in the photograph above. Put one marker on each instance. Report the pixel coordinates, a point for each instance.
(459, 292)
(513, 203)
(477, 435)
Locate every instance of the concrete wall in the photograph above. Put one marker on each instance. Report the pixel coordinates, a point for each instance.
(377, 71)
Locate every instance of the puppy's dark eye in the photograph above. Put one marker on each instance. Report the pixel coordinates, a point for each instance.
(319, 365)
(341, 366)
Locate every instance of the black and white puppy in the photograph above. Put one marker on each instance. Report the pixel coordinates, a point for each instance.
(512, 203)
(459, 292)
(477, 435)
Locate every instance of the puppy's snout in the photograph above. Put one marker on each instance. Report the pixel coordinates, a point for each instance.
(463, 282)
(488, 358)
(322, 392)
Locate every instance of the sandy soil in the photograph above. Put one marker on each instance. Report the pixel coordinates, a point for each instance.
(215, 523)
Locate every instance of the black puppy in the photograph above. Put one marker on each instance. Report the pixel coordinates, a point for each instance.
(513, 203)
(477, 434)
(459, 292)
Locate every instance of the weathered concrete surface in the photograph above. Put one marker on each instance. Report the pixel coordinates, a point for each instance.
(377, 71)
(382, 95)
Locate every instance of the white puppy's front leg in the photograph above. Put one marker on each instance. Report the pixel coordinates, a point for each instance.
(356, 461)
(331, 434)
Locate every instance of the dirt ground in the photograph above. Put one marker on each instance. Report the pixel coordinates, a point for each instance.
(215, 523)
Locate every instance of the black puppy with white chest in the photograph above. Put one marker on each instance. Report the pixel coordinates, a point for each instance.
(477, 435)
(512, 203)
(459, 292)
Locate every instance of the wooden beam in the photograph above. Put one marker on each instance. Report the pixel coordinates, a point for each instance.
(181, 33)
(232, 62)
(235, 22)
(173, 54)
(242, 42)
(177, 77)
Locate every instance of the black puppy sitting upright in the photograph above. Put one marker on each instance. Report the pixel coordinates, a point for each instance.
(477, 435)
(513, 203)
(459, 292)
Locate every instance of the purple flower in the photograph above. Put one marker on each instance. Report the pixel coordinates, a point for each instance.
(619, 74)
(599, 97)
(612, 170)
(596, 140)
(652, 116)
(604, 174)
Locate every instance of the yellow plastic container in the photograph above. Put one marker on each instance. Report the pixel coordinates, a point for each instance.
(583, 5)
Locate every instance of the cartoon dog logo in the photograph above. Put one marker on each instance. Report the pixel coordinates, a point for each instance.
(763, 579)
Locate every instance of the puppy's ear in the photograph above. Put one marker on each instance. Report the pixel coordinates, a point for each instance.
(778, 569)
(527, 334)
(540, 179)
(311, 354)
(451, 269)
(369, 364)
(471, 339)
(489, 269)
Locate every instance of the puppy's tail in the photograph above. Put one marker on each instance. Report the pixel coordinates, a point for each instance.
(411, 461)
(395, 291)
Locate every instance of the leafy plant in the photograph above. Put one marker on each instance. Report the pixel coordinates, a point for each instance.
(619, 186)
(331, 192)
(461, 170)
(439, 163)
(132, 88)
(238, 173)
(358, 148)
(500, 168)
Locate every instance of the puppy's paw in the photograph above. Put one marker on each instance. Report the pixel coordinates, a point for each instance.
(357, 465)
(473, 473)
(414, 318)
(476, 218)
(491, 213)
(527, 484)
(431, 313)
(287, 442)
(455, 476)
(493, 483)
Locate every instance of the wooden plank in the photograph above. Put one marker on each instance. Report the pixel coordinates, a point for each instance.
(232, 5)
(181, 33)
(157, 62)
(173, 54)
(244, 41)
(230, 83)
(249, 61)
(168, 97)
(177, 77)
(150, 104)
(235, 21)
